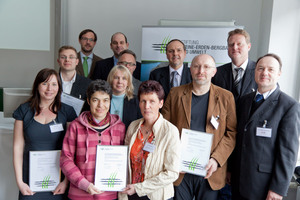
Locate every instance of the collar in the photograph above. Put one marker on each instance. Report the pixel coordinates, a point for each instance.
(267, 94)
(243, 66)
(82, 56)
(115, 60)
(179, 70)
(72, 81)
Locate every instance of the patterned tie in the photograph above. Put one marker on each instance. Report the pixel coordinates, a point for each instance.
(238, 76)
(259, 97)
(174, 81)
(85, 67)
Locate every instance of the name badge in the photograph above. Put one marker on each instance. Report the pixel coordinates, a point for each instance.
(56, 128)
(264, 132)
(214, 121)
(149, 147)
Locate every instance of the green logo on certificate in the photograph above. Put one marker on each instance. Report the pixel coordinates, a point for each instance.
(111, 180)
(193, 163)
(45, 182)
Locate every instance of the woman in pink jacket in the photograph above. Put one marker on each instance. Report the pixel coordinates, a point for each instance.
(90, 129)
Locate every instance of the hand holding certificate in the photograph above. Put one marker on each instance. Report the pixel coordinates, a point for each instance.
(111, 168)
(196, 147)
(44, 171)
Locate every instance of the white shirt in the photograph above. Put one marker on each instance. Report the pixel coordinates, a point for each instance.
(67, 85)
(267, 94)
(179, 75)
(243, 66)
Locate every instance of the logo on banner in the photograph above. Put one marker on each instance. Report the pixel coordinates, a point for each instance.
(162, 47)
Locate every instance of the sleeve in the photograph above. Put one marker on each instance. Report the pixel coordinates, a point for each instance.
(286, 150)
(227, 143)
(71, 114)
(19, 113)
(67, 159)
(166, 109)
(171, 164)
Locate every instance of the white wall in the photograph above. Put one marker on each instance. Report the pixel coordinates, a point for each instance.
(285, 41)
(107, 17)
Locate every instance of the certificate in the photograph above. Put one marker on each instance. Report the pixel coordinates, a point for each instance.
(196, 147)
(111, 168)
(44, 171)
(76, 103)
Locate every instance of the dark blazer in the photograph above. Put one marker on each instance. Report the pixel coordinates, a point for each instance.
(260, 163)
(131, 111)
(224, 79)
(79, 88)
(79, 68)
(177, 110)
(162, 75)
(103, 67)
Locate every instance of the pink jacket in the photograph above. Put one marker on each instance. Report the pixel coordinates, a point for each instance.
(78, 154)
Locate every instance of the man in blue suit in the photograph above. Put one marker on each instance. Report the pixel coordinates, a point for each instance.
(177, 73)
(237, 76)
(267, 140)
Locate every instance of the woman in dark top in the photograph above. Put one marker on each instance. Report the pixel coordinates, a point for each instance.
(123, 102)
(33, 131)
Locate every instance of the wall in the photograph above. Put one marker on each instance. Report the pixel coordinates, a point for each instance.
(107, 17)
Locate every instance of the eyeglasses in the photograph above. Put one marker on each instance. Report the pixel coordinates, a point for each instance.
(87, 39)
(127, 63)
(65, 57)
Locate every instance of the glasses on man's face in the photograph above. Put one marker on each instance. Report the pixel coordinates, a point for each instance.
(204, 67)
(87, 39)
(66, 57)
(127, 63)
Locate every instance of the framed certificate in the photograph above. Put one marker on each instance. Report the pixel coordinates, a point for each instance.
(111, 167)
(44, 171)
(196, 147)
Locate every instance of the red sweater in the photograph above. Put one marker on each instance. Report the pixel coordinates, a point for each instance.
(78, 154)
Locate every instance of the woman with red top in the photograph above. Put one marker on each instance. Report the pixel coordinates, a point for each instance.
(154, 149)
(90, 129)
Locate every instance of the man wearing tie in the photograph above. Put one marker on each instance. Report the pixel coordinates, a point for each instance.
(237, 76)
(267, 140)
(87, 59)
(176, 73)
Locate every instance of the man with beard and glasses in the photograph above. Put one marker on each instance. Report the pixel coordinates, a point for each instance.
(87, 59)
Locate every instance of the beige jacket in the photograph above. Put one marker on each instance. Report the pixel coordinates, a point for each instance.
(162, 166)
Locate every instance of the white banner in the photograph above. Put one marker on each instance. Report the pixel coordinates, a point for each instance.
(198, 40)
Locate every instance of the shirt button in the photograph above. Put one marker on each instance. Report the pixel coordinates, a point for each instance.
(245, 129)
(99, 141)
(99, 134)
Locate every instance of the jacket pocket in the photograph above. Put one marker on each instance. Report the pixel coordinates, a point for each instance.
(265, 168)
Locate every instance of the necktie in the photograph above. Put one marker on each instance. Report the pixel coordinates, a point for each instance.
(174, 81)
(85, 67)
(259, 97)
(238, 76)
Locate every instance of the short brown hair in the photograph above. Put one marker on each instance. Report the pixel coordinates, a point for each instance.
(66, 47)
(151, 86)
(273, 55)
(240, 32)
(87, 31)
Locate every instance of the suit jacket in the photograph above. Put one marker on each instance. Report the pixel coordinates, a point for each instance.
(79, 88)
(131, 111)
(225, 79)
(104, 66)
(266, 163)
(79, 67)
(162, 75)
(177, 109)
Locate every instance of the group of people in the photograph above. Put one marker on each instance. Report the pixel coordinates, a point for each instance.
(255, 125)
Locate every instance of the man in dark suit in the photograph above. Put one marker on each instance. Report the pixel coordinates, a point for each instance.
(177, 73)
(237, 76)
(118, 43)
(87, 59)
(267, 139)
(72, 83)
